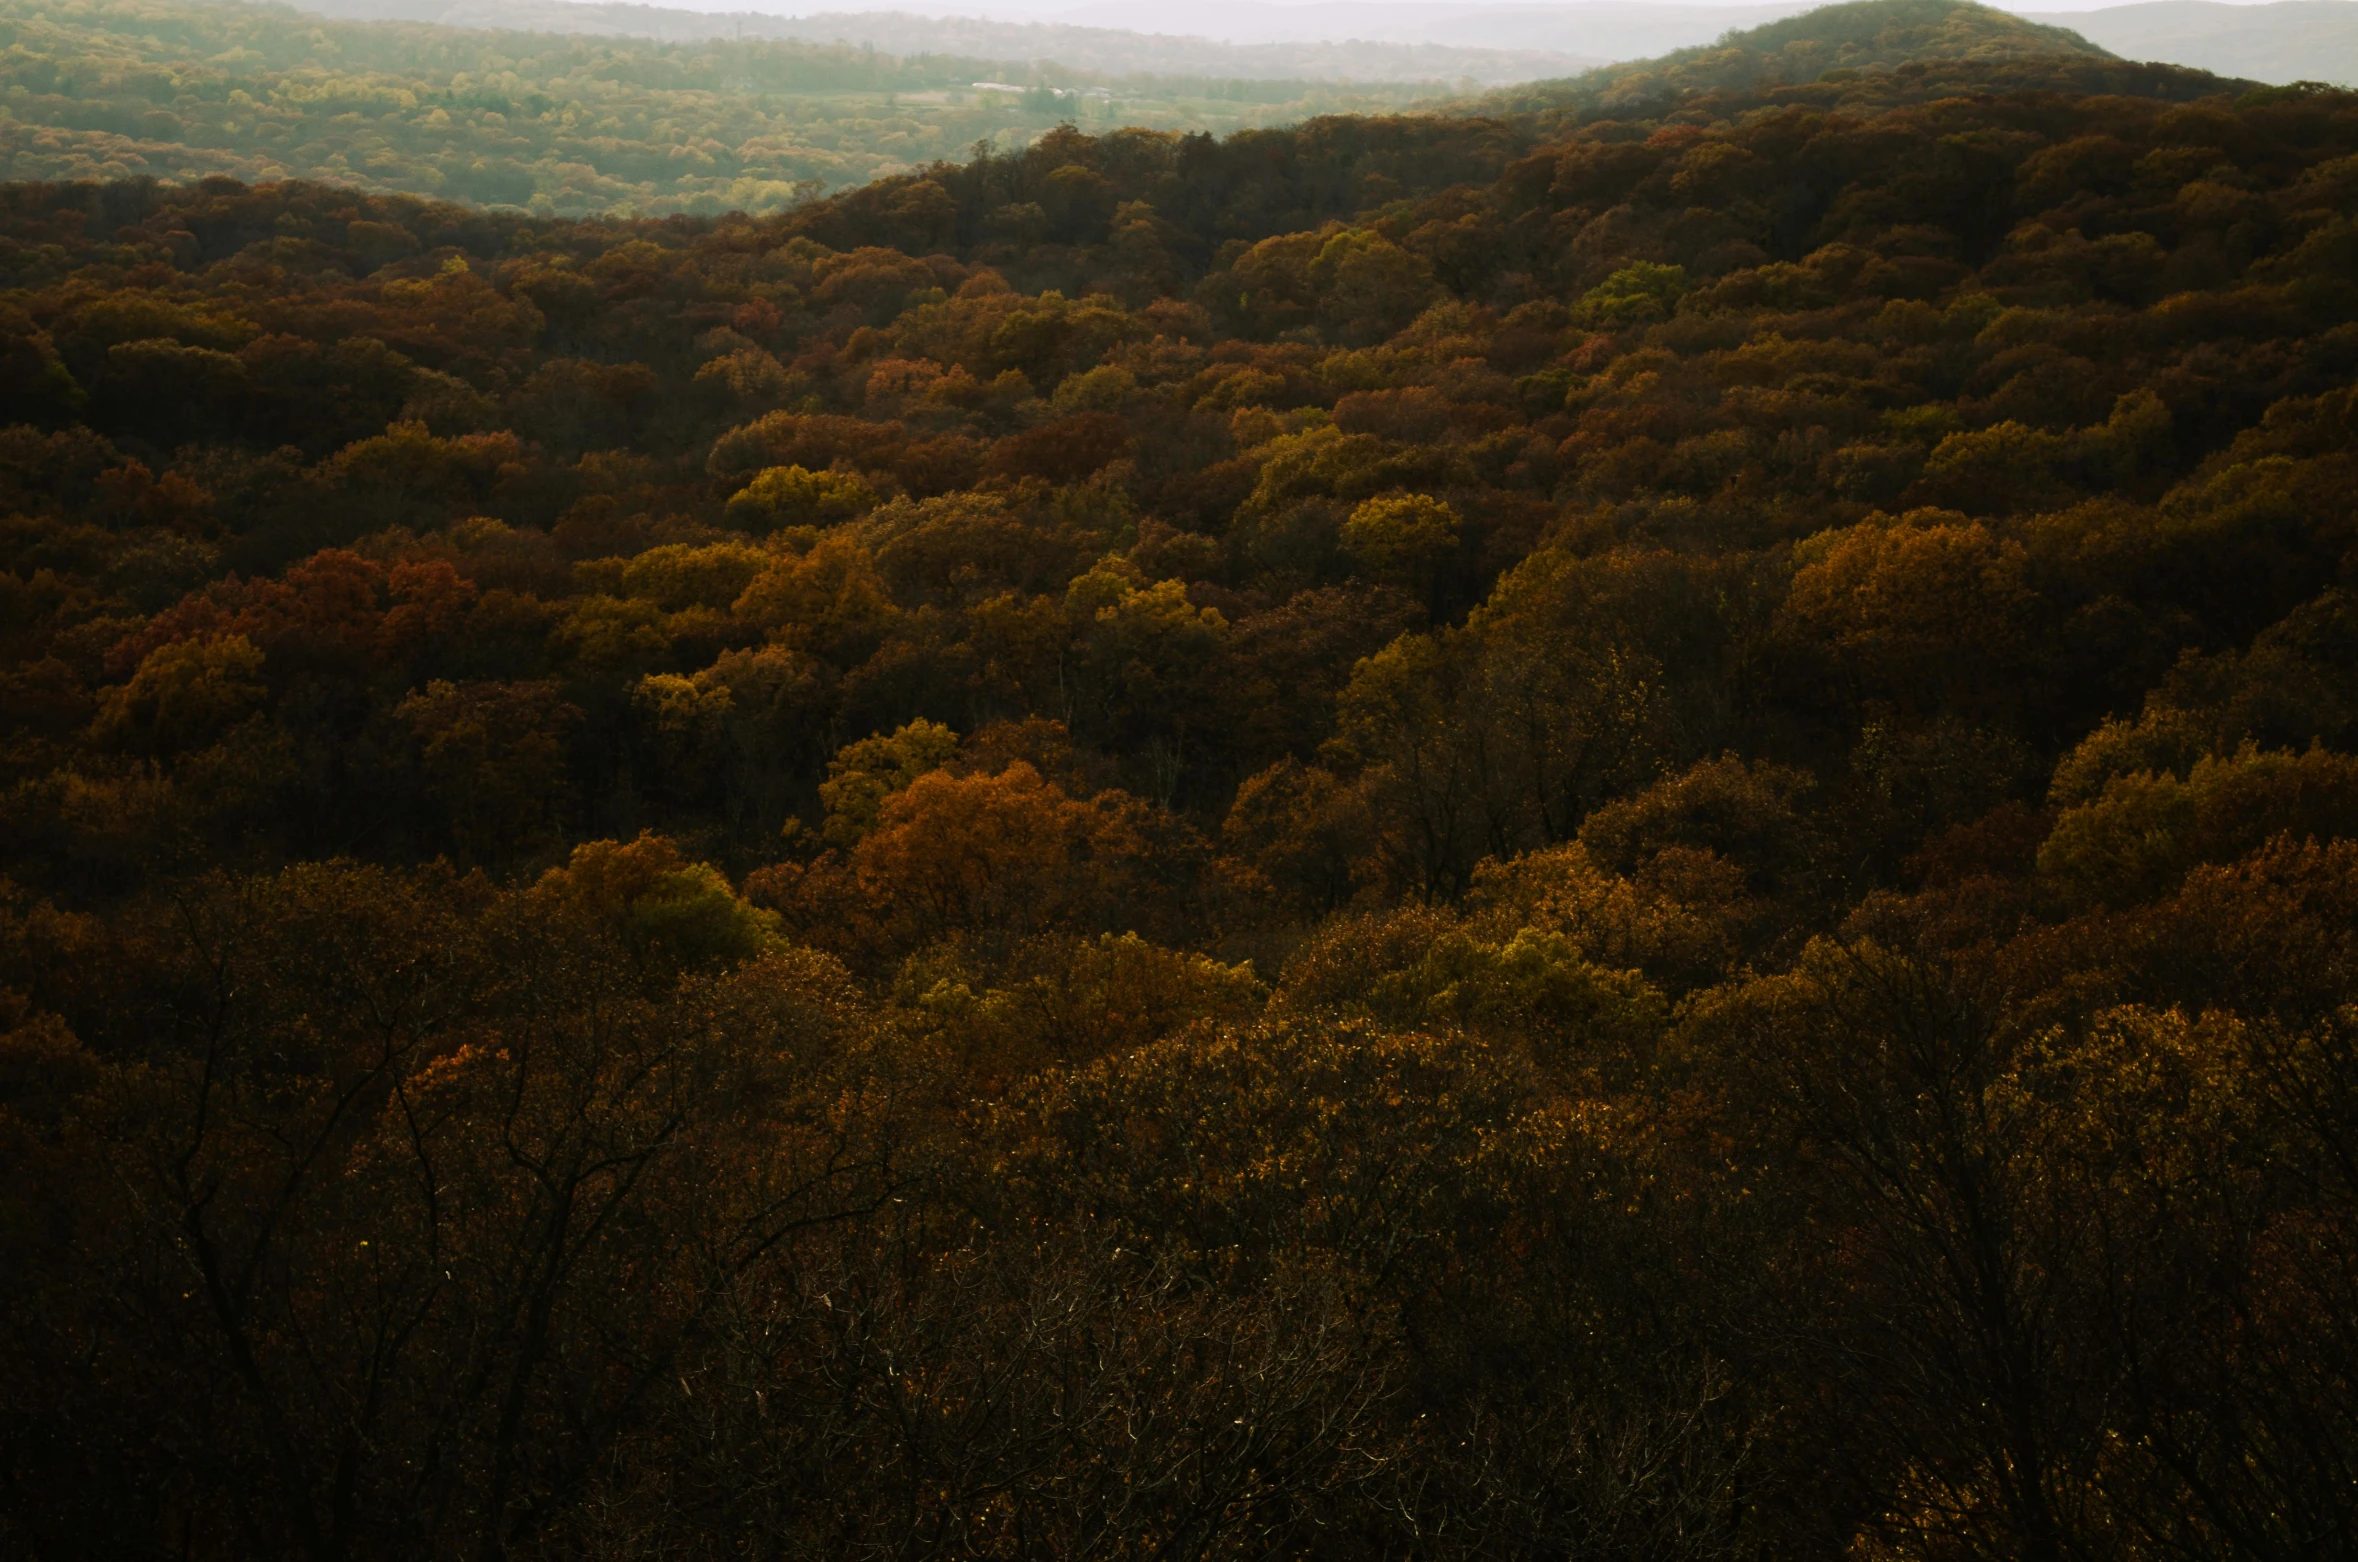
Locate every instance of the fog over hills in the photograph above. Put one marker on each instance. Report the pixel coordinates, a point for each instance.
(2293, 40)
(1335, 53)
(1390, 40)
(1583, 27)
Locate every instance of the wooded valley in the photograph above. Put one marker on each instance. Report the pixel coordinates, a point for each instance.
(1626, 828)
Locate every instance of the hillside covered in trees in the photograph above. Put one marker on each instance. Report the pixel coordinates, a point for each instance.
(1805, 48)
(1624, 830)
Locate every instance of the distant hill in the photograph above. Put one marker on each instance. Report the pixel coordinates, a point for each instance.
(1597, 28)
(1868, 32)
(2298, 40)
(1870, 36)
(1106, 49)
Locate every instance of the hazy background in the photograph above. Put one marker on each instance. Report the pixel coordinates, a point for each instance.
(1390, 40)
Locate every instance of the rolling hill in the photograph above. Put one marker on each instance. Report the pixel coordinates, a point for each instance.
(1858, 55)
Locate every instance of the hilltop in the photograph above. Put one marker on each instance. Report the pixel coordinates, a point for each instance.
(1861, 37)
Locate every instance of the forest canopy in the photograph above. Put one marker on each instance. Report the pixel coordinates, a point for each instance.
(1628, 831)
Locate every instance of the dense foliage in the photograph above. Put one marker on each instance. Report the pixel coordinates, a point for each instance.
(175, 90)
(1625, 837)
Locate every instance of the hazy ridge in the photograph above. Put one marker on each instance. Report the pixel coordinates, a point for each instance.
(1088, 48)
